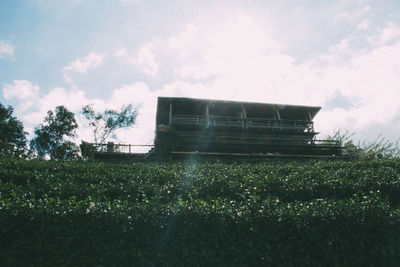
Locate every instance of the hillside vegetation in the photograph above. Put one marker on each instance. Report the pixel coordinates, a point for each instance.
(190, 213)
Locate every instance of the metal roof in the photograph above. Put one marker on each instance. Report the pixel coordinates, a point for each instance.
(286, 111)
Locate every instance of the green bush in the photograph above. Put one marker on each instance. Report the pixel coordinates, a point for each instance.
(236, 213)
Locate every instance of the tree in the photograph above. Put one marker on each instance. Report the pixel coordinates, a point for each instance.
(379, 148)
(105, 124)
(12, 134)
(49, 136)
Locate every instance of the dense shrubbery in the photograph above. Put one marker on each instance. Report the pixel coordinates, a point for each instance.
(287, 213)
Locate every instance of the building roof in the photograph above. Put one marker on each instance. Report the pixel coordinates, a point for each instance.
(292, 112)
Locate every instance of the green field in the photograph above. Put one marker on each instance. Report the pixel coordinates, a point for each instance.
(207, 213)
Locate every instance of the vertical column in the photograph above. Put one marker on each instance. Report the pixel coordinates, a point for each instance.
(310, 127)
(170, 115)
(244, 117)
(208, 115)
(279, 118)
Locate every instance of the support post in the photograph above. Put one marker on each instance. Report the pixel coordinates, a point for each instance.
(208, 115)
(110, 147)
(244, 117)
(311, 123)
(170, 115)
(279, 118)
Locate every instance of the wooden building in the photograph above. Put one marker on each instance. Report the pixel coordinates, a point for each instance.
(187, 125)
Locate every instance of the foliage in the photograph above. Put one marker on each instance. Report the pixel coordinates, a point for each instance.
(105, 124)
(184, 213)
(379, 148)
(12, 134)
(50, 137)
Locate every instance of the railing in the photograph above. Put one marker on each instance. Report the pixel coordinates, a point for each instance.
(333, 143)
(120, 148)
(295, 139)
(249, 122)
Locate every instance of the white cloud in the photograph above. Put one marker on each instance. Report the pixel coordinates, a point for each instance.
(73, 100)
(128, 94)
(6, 49)
(372, 78)
(352, 16)
(130, 1)
(389, 34)
(142, 98)
(340, 53)
(20, 89)
(363, 25)
(24, 91)
(137, 94)
(34, 107)
(81, 66)
(53, 2)
(342, 47)
(184, 40)
(144, 59)
(238, 60)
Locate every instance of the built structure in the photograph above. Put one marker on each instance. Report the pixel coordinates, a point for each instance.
(202, 126)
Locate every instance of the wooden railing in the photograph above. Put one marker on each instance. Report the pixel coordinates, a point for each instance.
(249, 122)
(120, 148)
(191, 137)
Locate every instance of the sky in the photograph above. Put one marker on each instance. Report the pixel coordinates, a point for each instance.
(343, 56)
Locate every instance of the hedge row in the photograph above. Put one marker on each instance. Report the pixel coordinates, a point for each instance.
(165, 181)
(286, 213)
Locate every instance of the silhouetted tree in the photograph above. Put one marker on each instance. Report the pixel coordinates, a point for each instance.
(12, 134)
(104, 124)
(49, 136)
